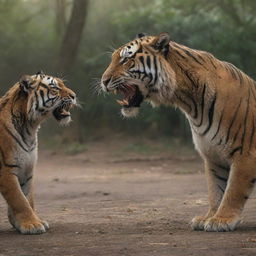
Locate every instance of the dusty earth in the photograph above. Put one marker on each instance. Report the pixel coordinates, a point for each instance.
(114, 201)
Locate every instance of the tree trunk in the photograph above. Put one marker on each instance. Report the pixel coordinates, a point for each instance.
(72, 36)
(60, 6)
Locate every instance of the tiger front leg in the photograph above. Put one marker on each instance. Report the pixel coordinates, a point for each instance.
(216, 176)
(240, 184)
(27, 189)
(21, 215)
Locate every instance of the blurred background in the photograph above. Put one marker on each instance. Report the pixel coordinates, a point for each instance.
(74, 39)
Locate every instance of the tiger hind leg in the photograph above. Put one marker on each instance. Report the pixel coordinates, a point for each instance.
(217, 176)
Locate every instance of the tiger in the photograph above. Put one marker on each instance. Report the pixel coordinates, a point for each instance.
(219, 102)
(22, 109)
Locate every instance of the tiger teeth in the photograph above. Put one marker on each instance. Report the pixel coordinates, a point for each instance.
(115, 91)
(120, 102)
(126, 102)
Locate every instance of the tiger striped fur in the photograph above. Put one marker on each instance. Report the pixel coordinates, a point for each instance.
(22, 109)
(219, 101)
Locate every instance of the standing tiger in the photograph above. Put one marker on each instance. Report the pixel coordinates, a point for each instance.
(22, 109)
(219, 101)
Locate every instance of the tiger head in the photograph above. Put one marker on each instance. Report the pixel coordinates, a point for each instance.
(47, 95)
(140, 71)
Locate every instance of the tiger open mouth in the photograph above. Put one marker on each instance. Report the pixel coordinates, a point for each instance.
(132, 95)
(62, 111)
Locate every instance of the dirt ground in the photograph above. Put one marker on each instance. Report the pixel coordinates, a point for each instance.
(113, 201)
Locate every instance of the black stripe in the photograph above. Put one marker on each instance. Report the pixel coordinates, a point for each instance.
(6, 164)
(192, 56)
(144, 76)
(148, 62)
(210, 59)
(222, 167)
(219, 177)
(184, 102)
(221, 188)
(140, 50)
(233, 120)
(218, 128)
(210, 114)
(37, 105)
(44, 86)
(42, 97)
(239, 75)
(202, 107)
(235, 150)
(193, 101)
(20, 124)
(183, 57)
(200, 57)
(30, 109)
(237, 132)
(28, 179)
(156, 69)
(141, 59)
(189, 78)
(15, 138)
(231, 70)
(150, 76)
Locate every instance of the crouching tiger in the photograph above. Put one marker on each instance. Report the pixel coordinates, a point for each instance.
(22, 109)
(219, 101)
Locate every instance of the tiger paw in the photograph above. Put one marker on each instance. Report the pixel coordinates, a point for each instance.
(33, 227)
(198, 222)
(218, 224)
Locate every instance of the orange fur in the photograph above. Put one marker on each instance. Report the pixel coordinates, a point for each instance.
(22, 109)
(219, 101)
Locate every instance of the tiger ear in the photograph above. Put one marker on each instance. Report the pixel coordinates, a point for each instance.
(140, 35)
(161, 43)
(41, 74)
(27, 83)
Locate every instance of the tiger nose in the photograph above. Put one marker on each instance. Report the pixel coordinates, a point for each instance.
(106, 81)
(72, 95)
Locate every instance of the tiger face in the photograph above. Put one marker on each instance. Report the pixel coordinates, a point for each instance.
(47, 95)
(139, 71)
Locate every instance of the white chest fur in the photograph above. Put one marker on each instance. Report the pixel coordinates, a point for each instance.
(26, 162)
(209, 150)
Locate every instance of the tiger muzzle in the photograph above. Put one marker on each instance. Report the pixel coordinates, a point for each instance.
(63, 110)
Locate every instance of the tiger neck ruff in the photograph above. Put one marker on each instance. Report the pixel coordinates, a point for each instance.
(219, 101)
(22, 109)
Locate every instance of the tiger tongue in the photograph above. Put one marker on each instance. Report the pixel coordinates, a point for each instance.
(129, 91)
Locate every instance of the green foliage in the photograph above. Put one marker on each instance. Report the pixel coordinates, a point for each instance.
(29, 42)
